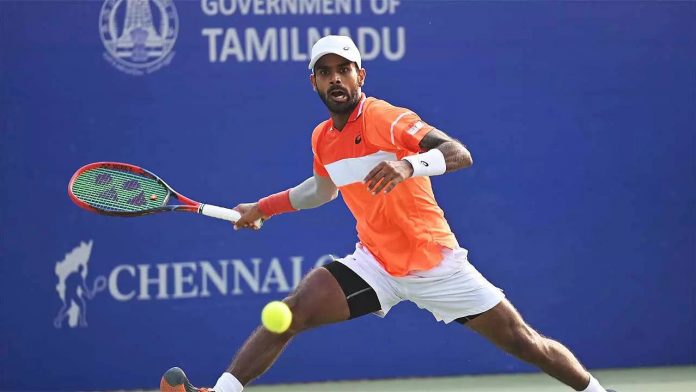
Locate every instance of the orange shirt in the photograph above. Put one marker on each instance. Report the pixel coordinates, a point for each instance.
(404, 229)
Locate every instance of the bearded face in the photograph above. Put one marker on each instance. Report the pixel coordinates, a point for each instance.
(338, 83)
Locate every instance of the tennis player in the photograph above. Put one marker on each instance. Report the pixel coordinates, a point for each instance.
(380, 157)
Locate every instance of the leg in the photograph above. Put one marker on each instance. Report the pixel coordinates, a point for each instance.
(504, 326)
(62, 314)
(82, 315)
(326, 295)
(318, 300)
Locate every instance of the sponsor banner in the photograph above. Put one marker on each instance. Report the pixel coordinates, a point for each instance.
(171, 281)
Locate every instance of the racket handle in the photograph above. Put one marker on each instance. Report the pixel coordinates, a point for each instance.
(220, 212)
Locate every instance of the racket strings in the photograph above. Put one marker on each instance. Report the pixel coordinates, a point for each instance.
(119, 191)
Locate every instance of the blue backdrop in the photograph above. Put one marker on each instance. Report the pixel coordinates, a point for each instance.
(580, 204)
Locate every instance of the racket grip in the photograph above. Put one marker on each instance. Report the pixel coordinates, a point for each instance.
(220, 212)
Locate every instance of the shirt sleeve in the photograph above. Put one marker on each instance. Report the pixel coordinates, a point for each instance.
(393, 128)
(318, 167)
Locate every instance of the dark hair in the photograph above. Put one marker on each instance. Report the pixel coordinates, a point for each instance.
(357, 68)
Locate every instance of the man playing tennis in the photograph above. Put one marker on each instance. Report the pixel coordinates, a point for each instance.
(380, 157)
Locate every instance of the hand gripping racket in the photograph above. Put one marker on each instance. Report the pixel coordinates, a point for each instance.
(120, 189)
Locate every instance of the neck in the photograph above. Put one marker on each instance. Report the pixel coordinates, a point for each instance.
(340, 119)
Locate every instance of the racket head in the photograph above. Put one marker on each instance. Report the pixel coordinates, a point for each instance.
(122, 189)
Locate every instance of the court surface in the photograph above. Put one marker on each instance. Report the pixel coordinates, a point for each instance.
(667, 379)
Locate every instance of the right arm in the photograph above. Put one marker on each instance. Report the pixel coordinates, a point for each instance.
(311, 193)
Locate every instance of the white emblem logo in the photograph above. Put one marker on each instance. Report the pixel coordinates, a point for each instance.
(72, 286)
(139, 39)
(415, 128)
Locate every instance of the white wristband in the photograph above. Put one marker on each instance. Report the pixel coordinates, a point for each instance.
(431, 163)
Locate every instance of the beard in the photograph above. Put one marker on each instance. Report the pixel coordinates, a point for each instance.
(340, 107)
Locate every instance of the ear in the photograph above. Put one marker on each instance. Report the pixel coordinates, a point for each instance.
(361, 76)
(313, 81)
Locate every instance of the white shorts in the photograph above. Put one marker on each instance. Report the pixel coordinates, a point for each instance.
(449, 291)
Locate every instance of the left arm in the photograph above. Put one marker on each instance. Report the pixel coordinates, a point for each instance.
(455, 153)
(386, 175)
(86, 289)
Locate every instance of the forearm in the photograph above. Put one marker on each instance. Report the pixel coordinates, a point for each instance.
(456, 155)
(312, 193)
(439, 154)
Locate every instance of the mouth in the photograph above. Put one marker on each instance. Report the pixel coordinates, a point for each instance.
(338, 95)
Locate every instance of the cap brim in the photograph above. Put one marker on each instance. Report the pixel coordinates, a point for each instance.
(322, 54)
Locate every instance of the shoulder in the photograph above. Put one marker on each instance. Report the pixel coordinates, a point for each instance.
(378, 108)
(319, 130)
(376, 105)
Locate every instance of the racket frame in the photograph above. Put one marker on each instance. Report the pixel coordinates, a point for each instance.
(188, 205)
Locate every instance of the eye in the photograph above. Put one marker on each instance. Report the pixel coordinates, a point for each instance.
(344, 70)
(323, 72)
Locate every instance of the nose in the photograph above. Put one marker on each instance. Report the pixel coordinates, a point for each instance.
(335, 78)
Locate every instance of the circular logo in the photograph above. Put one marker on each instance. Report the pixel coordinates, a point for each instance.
(138, 34)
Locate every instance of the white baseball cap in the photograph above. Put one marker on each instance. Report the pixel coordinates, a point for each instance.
(336, 44)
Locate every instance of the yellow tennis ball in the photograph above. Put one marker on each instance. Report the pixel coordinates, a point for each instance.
(276, 317)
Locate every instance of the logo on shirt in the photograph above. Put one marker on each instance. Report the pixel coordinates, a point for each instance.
(415, 128)
(358, 139)
(424, 163)
(138, 34)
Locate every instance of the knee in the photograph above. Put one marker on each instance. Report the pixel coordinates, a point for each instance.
(318, 300)
(301, 317)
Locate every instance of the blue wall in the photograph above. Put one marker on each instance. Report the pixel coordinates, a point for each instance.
(580, 117)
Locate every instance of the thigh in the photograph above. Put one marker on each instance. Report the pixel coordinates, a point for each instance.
(317, 300)
(368, 269)
(361, 297)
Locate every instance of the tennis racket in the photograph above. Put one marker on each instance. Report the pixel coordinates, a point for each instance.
(120, 189)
